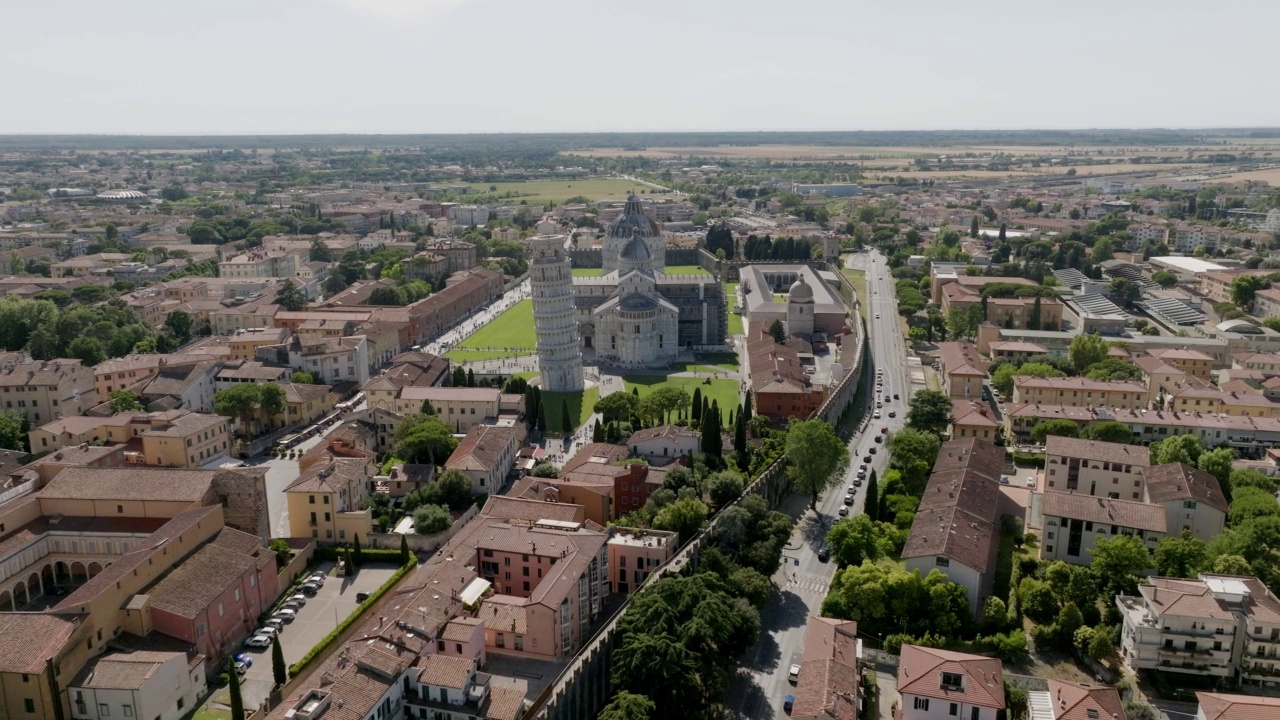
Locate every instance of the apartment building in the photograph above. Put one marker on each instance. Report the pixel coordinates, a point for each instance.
(460, 254)
(962, 370)
(1095, 468)
(940, 684)
(263, 263)
(469, 215)
(1206, 626)
(1192, 362)
(460, 408)
(176, 438)
(1073, 523)
(243, 314)
(1078, 391)
(485, 455)
(1142, 233)
(132, 371)
(1266, 303)
(971, 418)
(327, 501)
(662, 444)
(333, 360)
(635, 553)
(1189, 237)
(955, 530)
(828, 686)
(46, 389)
(1016, 313)
(1191, 498)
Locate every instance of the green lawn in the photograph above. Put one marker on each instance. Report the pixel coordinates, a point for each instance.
(580, 404)
(686, 270)
(858, 279)
(587, 272)
(511, 334)
(731, 299)
(557, 191)
(725, 392)
(205, 713)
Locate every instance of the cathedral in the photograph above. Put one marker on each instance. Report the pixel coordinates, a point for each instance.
(635, 315)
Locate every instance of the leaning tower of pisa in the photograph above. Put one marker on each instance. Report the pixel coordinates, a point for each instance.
(554, 321)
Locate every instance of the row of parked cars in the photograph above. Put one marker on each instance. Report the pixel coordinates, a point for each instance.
(286, 613)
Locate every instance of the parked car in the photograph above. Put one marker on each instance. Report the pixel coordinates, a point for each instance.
(309, 588)
(866, 459)
(879, 438)
(876, 415)
(1031, 481)
(317, 578)
(857, 482)
(848, 499)
(286, 614)
(794, 674)
(258, 641)
(245, 658)
(844, 511)
(790, 700)
(299, 599)
(275, 624)
(872, 449)
(1004, 479)
(362, 596)
(241, 668)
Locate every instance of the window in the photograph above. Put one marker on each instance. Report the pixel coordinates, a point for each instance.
(942, 562)
(311, 499)
(29, 705)
(128, 711)
(104, 710)
(921, 703)
(955, 710)
(952, 680)
(120, 509)
(1189, 504)
(181, 702)
(326, 499)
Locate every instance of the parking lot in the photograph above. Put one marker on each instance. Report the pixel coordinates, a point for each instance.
(322, 613)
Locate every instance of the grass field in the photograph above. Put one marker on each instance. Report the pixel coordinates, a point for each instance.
(543, 192)
(724, 392)
(205, 713)
(685, 270)
(510, 335)
(1271, 177)
(735, 320)
(859, 281)
(580, 404)
(587, 272)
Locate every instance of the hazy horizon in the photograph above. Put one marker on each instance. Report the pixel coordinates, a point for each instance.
(410, 67)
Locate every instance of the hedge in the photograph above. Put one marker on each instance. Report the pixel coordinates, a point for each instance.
(376, 595)
(1025, 459)
(330, 553)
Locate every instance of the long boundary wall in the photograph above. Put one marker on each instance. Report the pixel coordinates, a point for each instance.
(583, 687)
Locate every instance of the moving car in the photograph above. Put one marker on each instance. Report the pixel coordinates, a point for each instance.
(884, 430)
(246, 659)
(857, 482)
(876, 416)
(866, 459)
(258, 641)
(872, 449)
(879, 438)
(794, 674)
(893, 414)
(241, 668)
(895, 396)
(824, 554)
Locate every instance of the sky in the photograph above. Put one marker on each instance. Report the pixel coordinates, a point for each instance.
(478, 66)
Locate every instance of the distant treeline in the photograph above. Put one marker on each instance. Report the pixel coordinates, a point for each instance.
(573, 141)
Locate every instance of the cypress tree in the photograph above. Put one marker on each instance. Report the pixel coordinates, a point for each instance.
(872, 501)
(471, 378)
(566, 424)
(404, 549)
(237, 700)
(427, 409)
(697, 407)
(355, 550)
(746, 407)
(597, 433)
(279, 671)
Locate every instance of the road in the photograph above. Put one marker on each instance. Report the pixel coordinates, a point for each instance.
(761, 684)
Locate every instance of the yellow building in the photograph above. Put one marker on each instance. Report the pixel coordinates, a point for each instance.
(327, 502)
(1079, 392)
(45, 390)
(304, 404)
(244, 343)
(177, 438)
(1192, 362)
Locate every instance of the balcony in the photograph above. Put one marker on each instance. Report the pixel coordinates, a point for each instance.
(1184, 653)
(1254, 670)
(1187, 632)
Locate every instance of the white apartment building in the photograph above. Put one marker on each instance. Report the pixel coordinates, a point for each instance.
(944, 685)
(1189, 237)
(1214, 625)
(334, 360)
(469, 215)
(262, 263)
(1143, 233)
(1095, 468)
(140, 684)
(1266, 303)
(1073, 523)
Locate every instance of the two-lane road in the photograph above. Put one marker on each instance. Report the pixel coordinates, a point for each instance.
(761, 684)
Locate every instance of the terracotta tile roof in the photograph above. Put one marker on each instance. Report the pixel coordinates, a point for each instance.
(1176, 481)
(198, 581)
(828, 684)
(299, 393)
(331, 476)
(482, 449)
(446, 671)
(980, 456)
(972, 413)
(1074, 701)
(960, 358)
(1188, 598)
(662, 432)
(161, 485)
(124, 671)
(1223, 706)
(27, 640)
(448, 394)
(238, 541)
(511, 508)
(1106, 511)
(506, 614)
(951, 533)
(1096, 450)
(503, 704)
(1077, 383)
(607, 452)
(461, 629)
(920, 672)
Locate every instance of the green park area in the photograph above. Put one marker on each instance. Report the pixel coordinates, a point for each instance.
(724, 392)
(731, 300)
(588, 272)
(510, 335)
(858, 279)
(543, 192)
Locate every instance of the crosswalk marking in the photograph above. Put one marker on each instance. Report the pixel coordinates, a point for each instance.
(806, 583)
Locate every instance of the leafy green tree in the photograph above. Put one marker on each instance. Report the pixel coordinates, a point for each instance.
(815, 456)
(859, 538)
(685, 516)
(1085, 350)
(238, 401)
(1164, 279)
(271, 400)
(13, 430)
(566, 421)
(1250, 478)
(451, 489)
(1185, 449)
(302, 377)
(778, 332)
(1118, 560)
(696, 415)
(88, 350)
(1113, 369)
(1038, 601)
(1002, 378)
(871, 500)
(1250, 503)
(424, 439)
(1245, 287)
(1217, 462)
(628, 706)
(912, 454)
(1069, 620)
(1101, 647)
(1059, 427)
(124, 400)
(961, 324)
(320, 252)
(290, 297)
(617, 406)
(428, 519)
(929, 411)
(1182, 556)
(724, 487)
(1108, 431)
(279, 671)
(711, 440)
(179, 323)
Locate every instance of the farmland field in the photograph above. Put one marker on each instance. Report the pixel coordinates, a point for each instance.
(1271, 177)
(542, 192)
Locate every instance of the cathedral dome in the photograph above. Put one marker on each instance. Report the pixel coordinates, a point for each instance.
(800, 292)
(633, 221)
(636, 249)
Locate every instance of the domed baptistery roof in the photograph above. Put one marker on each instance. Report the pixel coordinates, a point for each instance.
(636, 249)
(633, 221)
(800, 291)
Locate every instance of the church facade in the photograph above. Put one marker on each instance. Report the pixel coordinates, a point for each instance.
(636, 315)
